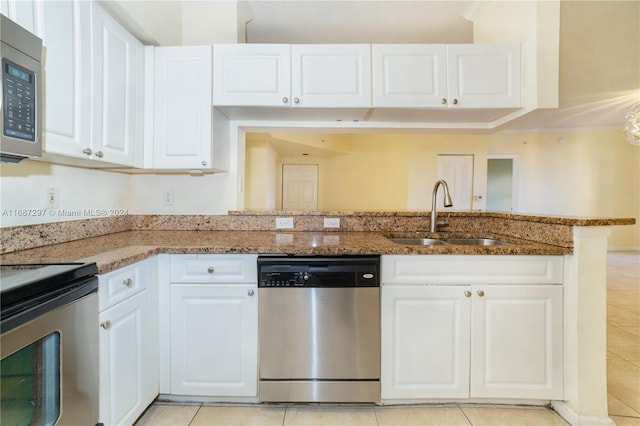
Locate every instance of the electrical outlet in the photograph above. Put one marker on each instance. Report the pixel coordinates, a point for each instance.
(284, 222)
(332, 222)
(167, 197)
(52, 198)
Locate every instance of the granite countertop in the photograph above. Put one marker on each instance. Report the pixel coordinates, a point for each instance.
(123, 248)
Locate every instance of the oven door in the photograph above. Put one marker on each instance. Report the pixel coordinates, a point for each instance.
(49, 367)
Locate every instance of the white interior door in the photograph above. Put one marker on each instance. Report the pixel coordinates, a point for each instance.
(457, 171)
(300, 187)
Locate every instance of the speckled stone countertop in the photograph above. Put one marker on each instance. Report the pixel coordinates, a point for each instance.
(120, 249)
(113, 242)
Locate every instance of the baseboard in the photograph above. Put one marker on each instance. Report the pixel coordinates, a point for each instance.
(575, 419)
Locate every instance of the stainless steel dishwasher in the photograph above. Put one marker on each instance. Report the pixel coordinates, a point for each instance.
(319, 326)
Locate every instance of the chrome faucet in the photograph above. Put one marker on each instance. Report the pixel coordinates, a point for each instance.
(447, 202)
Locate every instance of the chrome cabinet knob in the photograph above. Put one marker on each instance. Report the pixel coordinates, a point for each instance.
(455, 102)
(285, 100)
(296, 100)
(467, 293)
(480, 293)
(99, 154)
(87, 151)
(210, 270)
(443, 101)
(250, 292)
(204, 163)
(105, 324)
(128, 282)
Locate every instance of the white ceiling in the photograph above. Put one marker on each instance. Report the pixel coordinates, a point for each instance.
(599, 45)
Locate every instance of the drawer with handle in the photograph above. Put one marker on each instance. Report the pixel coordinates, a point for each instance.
(122, 283)
(213, 268)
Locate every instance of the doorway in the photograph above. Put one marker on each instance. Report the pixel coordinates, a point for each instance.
(502, 183)
(457, 171)
(300, 187)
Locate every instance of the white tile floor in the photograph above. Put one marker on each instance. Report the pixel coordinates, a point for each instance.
(623, 373)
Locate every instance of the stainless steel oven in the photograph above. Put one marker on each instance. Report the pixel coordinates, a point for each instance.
(319, 328)
(49, 345)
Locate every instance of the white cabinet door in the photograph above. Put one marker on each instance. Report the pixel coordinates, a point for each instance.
(26, 13)
(517, 342)
(117, 90)
(214, 339)
(66, 34)
(484, 75)
(182, 107)
(409, 75)
(125, 388)
(252, 74)
(331, 75)
(425, 342)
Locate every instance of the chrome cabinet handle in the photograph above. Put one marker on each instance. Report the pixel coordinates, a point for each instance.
(443, 101)
(87, 151)
(210, 270)
(128, 282)
(285, 100)
(467, 293)
(105, 324)
(99, 154)
(250, 292)
(455, 102)
(480, 293)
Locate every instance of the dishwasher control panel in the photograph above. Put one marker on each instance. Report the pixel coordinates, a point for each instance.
(344, 271)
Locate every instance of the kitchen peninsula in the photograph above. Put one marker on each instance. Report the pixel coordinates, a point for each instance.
(575, 247)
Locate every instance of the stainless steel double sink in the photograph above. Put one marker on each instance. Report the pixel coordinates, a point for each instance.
(449, 241)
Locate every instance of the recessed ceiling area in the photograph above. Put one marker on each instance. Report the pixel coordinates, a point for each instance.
(349, 21)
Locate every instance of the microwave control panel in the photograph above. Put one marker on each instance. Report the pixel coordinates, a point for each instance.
(19, 103)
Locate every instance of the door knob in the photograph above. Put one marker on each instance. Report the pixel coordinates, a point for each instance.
(250, 292)
(105, 324)
(480, 293)
(210, 270)
(467, 293)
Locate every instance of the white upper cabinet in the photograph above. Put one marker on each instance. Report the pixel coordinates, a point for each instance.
(333, 75)
(312, 76)
(446, 76)
(93, 81)
(65, 29)
(252, 74)
(409, 75)
(182, 111)
(117, 91)
(484, 75)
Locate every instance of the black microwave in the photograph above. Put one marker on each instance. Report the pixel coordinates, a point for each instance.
(20, 93)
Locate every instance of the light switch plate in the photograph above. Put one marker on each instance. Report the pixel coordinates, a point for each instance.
(284, 222)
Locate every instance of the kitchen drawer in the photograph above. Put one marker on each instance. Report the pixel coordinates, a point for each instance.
(472, 269)
(214, 268)
(118, 285)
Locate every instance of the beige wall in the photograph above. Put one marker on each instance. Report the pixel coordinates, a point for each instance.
(587, 173)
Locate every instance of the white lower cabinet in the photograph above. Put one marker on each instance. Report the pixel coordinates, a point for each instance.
(425, 342)
(456, 341)
(214, 335)
(128, 343)
(209, 325)
(516, 342)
